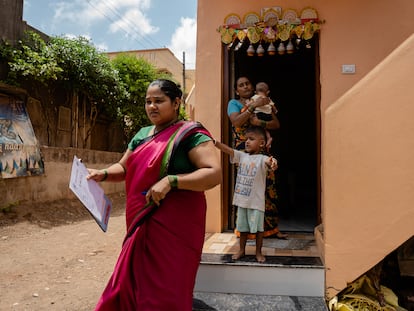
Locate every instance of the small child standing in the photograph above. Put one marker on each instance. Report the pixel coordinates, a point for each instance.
(264, 113)
(249, 191)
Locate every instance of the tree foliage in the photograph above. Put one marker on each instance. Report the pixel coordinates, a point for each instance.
(135, 74)
(88, 70)
(117, 87)
(74, 62)
(31, 59)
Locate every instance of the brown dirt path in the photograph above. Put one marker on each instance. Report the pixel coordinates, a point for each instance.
(55, 256)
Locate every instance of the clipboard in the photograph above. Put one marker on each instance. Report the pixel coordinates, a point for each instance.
(90, 193)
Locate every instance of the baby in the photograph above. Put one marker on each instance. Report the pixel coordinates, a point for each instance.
(264, 112)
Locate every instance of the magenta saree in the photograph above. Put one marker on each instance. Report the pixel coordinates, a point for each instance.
(157, 266)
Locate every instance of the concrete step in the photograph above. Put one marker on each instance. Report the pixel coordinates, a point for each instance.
(278, 276)
(243, 302)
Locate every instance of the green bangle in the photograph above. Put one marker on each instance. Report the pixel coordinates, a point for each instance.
(263, 124)
(173, 180)
(105, 175)
(250, 109)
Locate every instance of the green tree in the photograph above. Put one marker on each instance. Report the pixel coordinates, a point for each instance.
(115, 87)
(31, 59)
(74, 62)
(136, 74)
(88, 70)
(86, 73)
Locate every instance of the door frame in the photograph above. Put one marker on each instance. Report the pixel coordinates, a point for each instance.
(228, 76)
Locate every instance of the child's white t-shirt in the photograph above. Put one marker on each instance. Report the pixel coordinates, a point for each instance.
(249, 191)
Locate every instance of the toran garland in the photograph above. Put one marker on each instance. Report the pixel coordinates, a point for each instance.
(270, 27)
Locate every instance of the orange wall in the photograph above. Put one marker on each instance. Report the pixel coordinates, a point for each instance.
(356, 32)
(369, 169)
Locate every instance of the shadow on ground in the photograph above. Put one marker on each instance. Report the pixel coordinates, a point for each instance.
(54, 213)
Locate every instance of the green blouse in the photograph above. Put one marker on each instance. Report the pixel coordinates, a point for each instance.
(180, 163)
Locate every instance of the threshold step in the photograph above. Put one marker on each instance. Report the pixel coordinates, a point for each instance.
(239, 302)
(278, 276)
(276, 261)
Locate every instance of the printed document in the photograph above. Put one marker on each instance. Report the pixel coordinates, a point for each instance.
(90, 193)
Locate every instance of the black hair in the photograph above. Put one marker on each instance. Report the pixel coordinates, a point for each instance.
(262, 87)
(168, 87)
(258, 130)
(237, 80)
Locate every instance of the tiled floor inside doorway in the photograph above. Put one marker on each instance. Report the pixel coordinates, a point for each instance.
(298, 244)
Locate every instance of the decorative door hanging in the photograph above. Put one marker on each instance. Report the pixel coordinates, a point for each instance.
(285, 29)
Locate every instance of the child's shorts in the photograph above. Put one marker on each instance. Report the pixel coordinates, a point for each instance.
(249, 220)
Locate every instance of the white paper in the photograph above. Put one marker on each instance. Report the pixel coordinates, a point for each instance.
(90, 193)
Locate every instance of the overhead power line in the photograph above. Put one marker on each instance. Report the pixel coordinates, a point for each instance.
(131, 24)
(134, 30)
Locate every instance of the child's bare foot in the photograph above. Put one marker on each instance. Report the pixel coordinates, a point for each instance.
(260, 258)
(238, 255)
(281, 236)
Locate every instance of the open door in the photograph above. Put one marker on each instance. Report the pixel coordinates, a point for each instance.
(294, 85)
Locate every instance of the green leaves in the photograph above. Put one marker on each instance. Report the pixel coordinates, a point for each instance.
(117, 87)
(87, 70)
(135, 74)
(31, 58)
(74, 62)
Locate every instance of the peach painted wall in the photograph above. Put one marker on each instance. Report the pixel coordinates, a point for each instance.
(358, 158)
(369, 169)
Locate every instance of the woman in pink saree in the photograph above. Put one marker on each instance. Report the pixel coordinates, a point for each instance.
(166, 169)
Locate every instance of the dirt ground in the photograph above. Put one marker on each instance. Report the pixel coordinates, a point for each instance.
(55, 256)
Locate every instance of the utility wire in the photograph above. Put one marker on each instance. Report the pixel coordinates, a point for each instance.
(131, 24)
(152, 44)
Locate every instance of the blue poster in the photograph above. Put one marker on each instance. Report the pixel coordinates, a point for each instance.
(19, 149)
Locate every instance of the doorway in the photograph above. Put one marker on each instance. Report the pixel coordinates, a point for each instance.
(294, 85)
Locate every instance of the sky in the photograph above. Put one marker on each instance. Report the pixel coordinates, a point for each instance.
(120, 25)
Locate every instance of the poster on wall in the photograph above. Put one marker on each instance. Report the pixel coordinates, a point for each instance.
(19, 149)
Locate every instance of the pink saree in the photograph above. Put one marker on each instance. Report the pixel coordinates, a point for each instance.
(157, 266)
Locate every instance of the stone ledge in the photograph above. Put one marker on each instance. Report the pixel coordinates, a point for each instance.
(271, 261)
